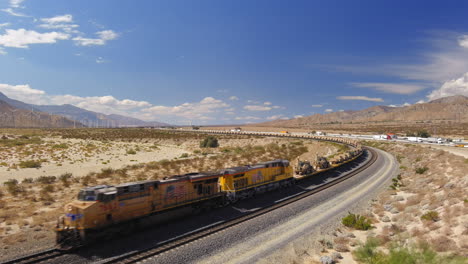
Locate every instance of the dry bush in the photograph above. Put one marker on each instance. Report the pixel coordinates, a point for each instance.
(341, 247)
(414, 200)
(341, 240)
(443, 244)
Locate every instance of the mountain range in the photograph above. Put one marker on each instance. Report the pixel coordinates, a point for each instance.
(444, 110)
(80, 115)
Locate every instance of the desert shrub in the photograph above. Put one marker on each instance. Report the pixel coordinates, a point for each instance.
(356, 221)
(65, 178)
(184, 155)
(12, 186)
(423, 134)
(209, 142)
(105, 173)
(431, 216)
(27, 180)
(46, 179)
(30, 164)
(368, 252)
(60, 146)
(131, 152)
(421, 170)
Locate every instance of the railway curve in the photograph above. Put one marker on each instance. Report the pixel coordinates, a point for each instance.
(53, 255)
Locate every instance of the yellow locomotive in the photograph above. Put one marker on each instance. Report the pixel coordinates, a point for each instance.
(103, 210)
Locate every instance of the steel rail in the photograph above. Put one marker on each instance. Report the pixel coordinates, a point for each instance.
(36, 257)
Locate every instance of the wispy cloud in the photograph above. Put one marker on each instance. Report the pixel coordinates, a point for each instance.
(361, 98)
(257, 108)
(247, 118)
(396, 88)
(12, 12)
(317, 105)
(103, 37)
(233, 98)
(16, 3)
(329, 110)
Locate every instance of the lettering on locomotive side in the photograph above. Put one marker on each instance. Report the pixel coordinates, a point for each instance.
(258, 177)
(173, 191)
(107, 207)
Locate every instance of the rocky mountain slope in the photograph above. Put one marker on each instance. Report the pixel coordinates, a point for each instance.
(11, 116)
(88, 118)
(453, 109)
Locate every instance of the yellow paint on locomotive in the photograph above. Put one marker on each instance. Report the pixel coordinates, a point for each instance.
(255, 177)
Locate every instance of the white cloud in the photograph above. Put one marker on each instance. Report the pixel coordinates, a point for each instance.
(21, 38)
(100, 60)
(5, 24)
(247, 118)
(16, 3)
(453, 87)
(197, 110)
(396, 88)
(463, 41)
(362, 98)
(328, 110)
(233, 98)
(406, 104)
(275, 117)
(257, 108)
(317, 105)
(267, 103)
(2, 51)
(12, 12)
(103, 37)
(58, 19)
(298, 116)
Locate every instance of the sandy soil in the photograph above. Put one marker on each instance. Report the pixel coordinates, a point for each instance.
(76, 160)
(454, 150)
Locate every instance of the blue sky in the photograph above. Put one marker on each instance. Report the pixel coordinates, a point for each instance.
(229, 62)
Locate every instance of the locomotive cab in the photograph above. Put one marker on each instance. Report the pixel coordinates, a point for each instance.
(91, 209)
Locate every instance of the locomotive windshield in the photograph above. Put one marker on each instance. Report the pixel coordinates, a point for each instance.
(85, 195)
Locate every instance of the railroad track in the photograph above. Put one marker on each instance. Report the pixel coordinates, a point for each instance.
(38, 257)
(136, 256)
(140, 255)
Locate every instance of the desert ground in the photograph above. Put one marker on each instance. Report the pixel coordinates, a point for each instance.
(42, 170)
(421, 217)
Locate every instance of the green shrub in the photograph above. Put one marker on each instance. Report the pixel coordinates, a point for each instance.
(399, 254)
(368, 252)
(209, 142)
(421, 170)
(184, 155)
(60, 146)
(131, 152)
(423, 134)
(30, 164)
(357, 221)
(431, 216)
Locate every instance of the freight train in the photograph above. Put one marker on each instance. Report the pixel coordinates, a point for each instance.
(105, 210)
